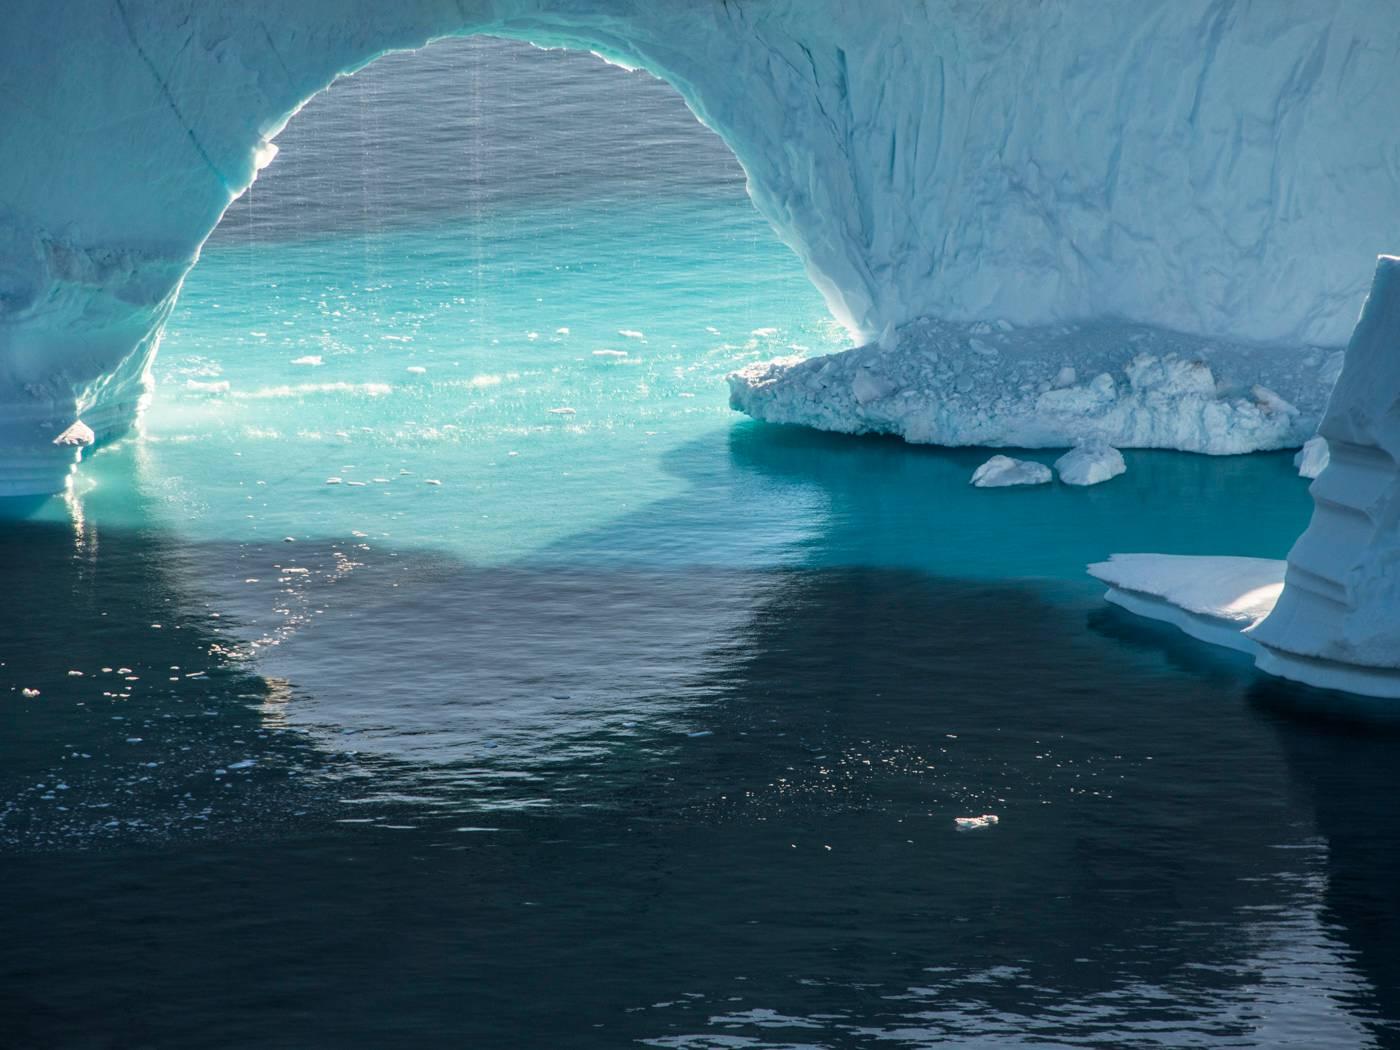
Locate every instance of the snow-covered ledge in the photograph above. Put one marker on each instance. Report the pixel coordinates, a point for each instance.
(1209, 167)
(1330, 615)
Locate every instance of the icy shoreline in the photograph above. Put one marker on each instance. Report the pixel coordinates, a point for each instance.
(1130, 386)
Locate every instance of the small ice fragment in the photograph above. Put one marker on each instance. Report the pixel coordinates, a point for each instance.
(75, 674)
(1066, 376)
(630, 333)
(561, 331)
(247, 763)
(416, 370)
(986, 820)
(310, 359)
(563, 411)
(29, 694)
(380, 481)
(79, 435)
(609, 353)
(1313, 457)
(1000, 471)
(356, 484)
(431, 481)
(333, 481)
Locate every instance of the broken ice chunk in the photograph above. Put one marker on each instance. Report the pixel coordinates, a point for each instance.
(1000, 471)
(1090, 464)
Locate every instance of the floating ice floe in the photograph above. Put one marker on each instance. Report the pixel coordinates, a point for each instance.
(416, 370)
(986, 820)
(1000, 471)
(563, 411)
(1313, 457)
(29, 694)
(312, 360)
(1090, 464)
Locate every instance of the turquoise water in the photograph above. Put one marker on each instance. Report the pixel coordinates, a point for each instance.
(648, 724)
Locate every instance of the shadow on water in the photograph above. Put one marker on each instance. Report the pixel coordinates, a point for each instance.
(718, 809)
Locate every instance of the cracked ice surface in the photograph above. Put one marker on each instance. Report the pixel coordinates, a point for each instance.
(1126, 386)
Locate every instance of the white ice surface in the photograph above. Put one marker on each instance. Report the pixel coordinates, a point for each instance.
(992, 384)
(1002, 471)
(1237, 591)
(1090, 464)
(1312, 458)
(1213, 167)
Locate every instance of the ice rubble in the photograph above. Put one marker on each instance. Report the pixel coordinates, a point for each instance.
(1331, 617)
(1090, 464)
(1210, 167)
(1124, 385)
(1002, 471)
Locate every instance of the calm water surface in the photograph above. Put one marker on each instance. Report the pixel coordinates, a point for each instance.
(644, 726)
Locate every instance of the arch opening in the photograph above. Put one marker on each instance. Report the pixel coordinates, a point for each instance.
(541, 279)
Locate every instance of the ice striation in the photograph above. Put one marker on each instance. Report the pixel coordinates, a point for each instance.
(1216, 168)
(1330, 615)
(1127, 386)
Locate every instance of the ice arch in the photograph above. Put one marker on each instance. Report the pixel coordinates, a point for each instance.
(1216, 167)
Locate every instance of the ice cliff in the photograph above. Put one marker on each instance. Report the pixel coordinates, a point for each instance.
(1214, 168)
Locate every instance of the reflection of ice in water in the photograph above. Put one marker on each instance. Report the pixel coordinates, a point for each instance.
(423, 661)
(1292, 991)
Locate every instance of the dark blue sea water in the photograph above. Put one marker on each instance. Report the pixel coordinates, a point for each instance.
(646, 725)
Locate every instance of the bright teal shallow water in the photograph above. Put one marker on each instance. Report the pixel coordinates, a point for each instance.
(652, 733)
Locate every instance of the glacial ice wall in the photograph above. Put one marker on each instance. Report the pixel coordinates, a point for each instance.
(1215, 167)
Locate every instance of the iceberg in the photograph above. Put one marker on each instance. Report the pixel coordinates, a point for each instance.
(1173, 165)
(1090, 464)
(1002, 471)
(1330, 615)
